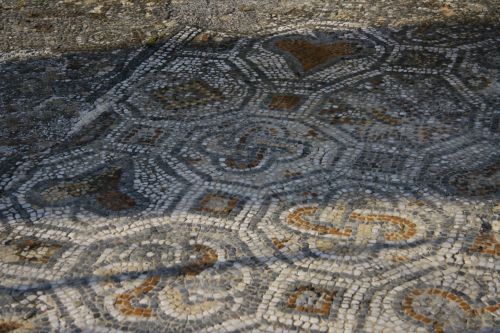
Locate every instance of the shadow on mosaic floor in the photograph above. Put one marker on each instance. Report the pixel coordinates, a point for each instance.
(345, 178)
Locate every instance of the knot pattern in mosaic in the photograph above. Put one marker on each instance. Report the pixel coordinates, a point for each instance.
(321, 177)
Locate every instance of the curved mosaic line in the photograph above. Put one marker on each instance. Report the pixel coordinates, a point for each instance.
(317, 177)
(439, 303)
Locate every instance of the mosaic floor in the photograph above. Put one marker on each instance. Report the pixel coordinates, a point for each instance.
(323, 177)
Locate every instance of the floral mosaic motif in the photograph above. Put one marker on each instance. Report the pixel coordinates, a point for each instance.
(189, 94)
(312, 55)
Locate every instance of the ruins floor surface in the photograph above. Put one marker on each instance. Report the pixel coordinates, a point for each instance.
(320, 176)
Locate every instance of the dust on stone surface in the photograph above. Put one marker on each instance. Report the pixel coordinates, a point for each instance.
(34, 27)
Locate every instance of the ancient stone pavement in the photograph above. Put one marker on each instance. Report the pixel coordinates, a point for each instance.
(323, 177)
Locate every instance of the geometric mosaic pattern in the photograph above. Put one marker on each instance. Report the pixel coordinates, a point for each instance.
(323, 177)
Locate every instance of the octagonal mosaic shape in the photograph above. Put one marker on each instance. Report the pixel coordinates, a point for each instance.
(178, 94)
